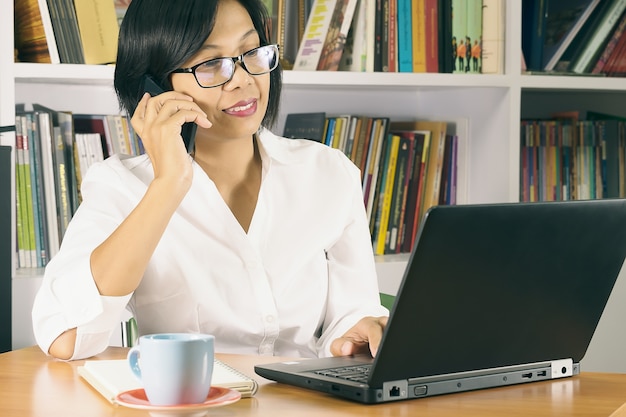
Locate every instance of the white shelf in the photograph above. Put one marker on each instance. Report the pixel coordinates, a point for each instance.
(573, 83)
(64, 74)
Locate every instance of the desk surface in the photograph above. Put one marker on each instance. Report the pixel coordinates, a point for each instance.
(32, 384)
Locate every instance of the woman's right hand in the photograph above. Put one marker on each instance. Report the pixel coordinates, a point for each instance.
(158, 122)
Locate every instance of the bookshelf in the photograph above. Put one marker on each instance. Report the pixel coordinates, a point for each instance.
(491, 105)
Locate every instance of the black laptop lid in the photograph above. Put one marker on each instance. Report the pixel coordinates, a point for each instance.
(503, 284)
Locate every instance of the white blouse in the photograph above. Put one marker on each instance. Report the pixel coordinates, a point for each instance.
(301, 277)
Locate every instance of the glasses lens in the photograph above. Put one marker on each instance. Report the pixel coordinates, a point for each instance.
(215, 72)
(261, 60)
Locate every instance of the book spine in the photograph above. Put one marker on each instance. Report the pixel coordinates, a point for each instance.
(418, 36)
(398, 195)
(473, 36)
(533, 31)
(420, 188)
(405, 41)
(46, 19)
(44, 127)
(392, 28)
(390, 168)
(459, 30)
(378, 36)
(431, 35)
(315, 33)
(384, 34)
(492, 54)
(447, 51)
(20, 200)
(335, 42)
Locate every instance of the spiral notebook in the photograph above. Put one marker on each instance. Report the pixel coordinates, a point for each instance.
(111, 377)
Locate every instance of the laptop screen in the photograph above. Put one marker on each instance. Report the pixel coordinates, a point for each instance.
(495, 285)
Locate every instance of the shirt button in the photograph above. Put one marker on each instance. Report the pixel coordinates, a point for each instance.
(269, 318)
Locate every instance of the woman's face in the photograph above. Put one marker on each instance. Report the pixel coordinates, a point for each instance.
(236, 108)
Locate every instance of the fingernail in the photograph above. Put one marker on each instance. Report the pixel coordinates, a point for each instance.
(346, 348)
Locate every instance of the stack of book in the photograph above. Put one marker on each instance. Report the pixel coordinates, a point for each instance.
(54, 150)
(404, 36)
(577, 37)
(406, 168)
(574, 156)
(67, 31)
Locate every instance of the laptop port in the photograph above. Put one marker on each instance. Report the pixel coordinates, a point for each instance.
(395, 390)
(527, 376)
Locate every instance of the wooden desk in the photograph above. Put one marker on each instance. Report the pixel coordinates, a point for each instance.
(32, 384)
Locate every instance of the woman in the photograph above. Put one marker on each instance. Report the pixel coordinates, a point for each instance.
(259, 240)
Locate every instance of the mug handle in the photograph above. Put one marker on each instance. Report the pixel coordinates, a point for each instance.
(132, 357)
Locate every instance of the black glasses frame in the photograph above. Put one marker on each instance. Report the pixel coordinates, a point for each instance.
(235, 59)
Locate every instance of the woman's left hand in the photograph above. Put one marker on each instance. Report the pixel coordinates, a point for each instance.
(364, 337)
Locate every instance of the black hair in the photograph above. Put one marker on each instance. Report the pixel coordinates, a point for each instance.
(158, 36)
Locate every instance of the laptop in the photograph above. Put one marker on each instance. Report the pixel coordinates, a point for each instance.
(493, 295)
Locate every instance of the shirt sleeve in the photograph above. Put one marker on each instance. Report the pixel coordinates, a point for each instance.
(353, 285)
(68, 297)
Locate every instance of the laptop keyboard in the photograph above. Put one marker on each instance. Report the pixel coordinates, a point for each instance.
(357, 373)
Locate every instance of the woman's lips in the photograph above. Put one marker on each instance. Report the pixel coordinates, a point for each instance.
(242, 109)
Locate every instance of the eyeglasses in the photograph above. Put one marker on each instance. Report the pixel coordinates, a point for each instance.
(219, 71)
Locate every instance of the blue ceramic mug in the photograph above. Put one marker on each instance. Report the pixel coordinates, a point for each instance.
(174, 368)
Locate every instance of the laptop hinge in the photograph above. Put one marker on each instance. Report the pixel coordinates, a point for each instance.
(562, 368)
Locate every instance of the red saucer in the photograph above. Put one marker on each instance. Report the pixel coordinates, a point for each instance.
(217, 397)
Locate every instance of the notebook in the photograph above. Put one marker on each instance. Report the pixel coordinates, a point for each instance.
(493, 295)
(111, 377)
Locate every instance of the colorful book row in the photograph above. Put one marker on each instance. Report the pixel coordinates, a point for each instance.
(54, 150)
(406, 168)
(572, 160)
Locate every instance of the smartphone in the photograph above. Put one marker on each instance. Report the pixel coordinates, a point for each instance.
(188, 131)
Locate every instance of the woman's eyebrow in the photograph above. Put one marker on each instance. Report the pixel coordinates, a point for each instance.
(244, 37)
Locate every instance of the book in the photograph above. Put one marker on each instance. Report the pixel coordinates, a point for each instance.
(492, 54)
(336, 35)
(447, 50)
(63, 137)
(375, 153)
(410, 44)
(459, 31)
(24, 207)
(473, 36)
(583, 37)
(49, 207)
(111, 377)
(66, 31)
(420, 150)
(586, 58)
(610, 46)
(398, 197)
(34, 35)
(97, 21)
(305, 126)
(616, 62)
(310, 48)
(431, 35)
(386, 193)
(378, 35)
(435, 158)
(392, 35)
(564, 21)
(533, 32)
(355, 53)
(33, 146)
